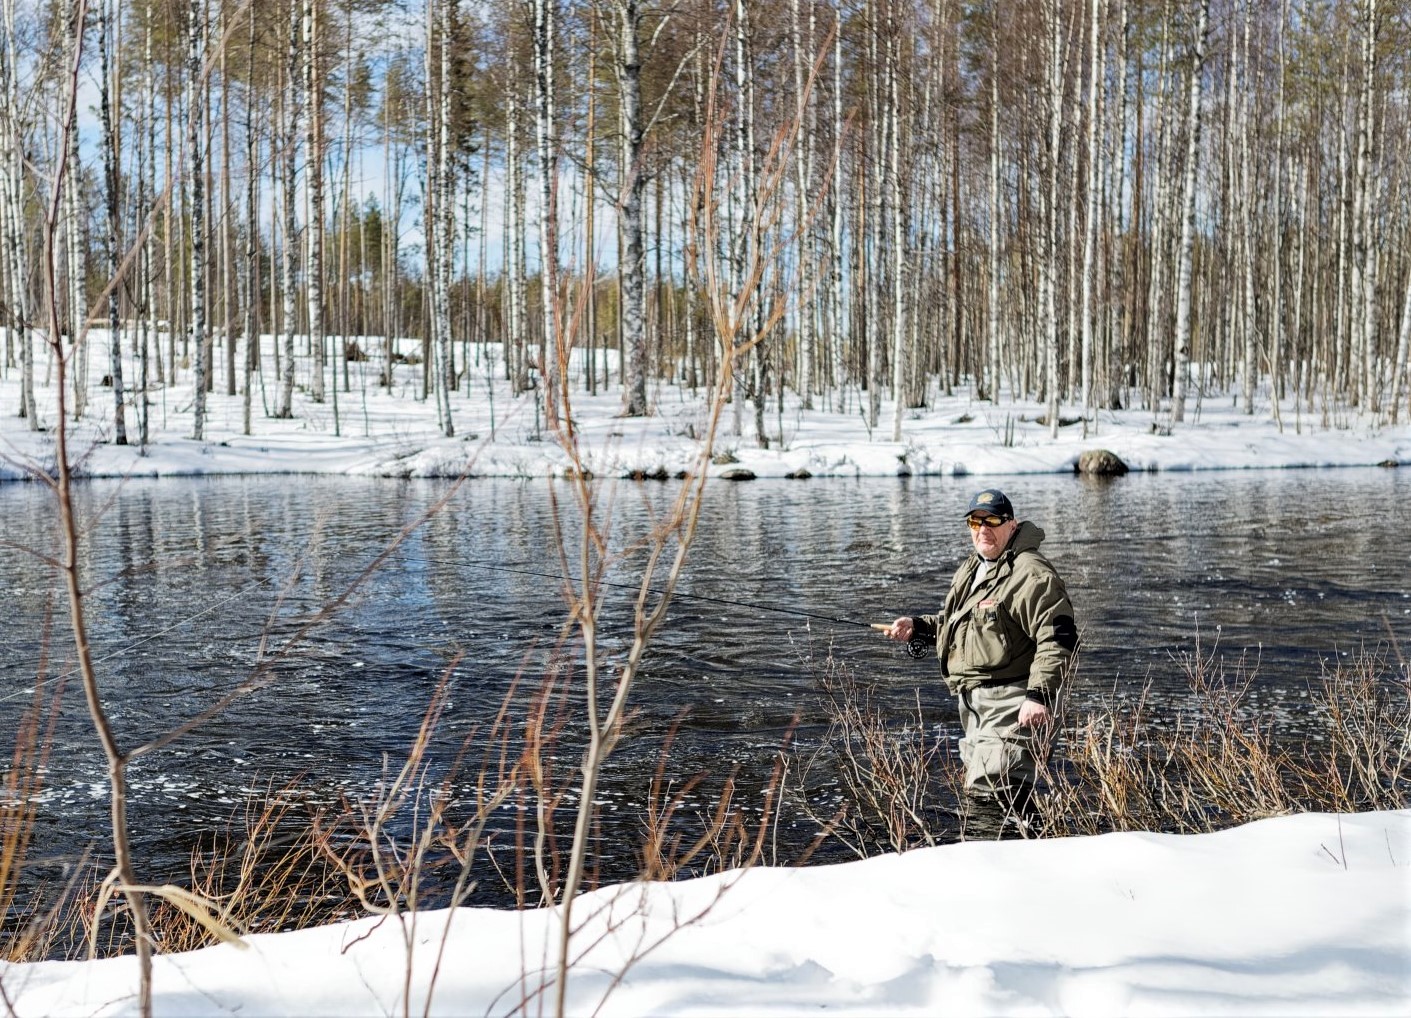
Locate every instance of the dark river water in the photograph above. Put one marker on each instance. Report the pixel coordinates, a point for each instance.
(189, 578)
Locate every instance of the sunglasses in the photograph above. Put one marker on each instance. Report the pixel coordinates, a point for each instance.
(976, 522)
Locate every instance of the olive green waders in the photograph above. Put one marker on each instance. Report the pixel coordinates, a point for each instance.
(997, 753)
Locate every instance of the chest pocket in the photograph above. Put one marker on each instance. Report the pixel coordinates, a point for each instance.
(987, 636)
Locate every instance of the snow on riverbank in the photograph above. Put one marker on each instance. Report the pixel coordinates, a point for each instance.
(1304, 915)
(378, 432)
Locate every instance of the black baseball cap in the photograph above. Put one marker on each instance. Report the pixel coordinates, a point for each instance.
(993, 501)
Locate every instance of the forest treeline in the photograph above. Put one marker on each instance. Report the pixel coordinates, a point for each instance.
(1098, 203)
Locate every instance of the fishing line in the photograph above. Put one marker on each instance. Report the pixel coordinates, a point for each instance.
(915, 647)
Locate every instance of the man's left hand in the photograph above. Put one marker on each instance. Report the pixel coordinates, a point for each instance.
(1033, 714)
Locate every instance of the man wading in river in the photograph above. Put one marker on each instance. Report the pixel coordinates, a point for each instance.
(1004, 640)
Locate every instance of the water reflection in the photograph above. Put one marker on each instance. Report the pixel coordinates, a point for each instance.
(192, 581)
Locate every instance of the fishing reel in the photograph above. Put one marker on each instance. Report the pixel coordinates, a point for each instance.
(915, 647)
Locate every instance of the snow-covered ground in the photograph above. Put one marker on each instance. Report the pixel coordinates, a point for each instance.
(378, 432)
(1305, 915)
(1294, 915)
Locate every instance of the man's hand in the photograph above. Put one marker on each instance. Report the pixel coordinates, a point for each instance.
(1033, 714)
(901, 629)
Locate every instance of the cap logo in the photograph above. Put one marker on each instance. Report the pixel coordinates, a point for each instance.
(986, 497)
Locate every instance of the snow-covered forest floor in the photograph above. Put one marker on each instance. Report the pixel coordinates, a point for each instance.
(381, 431)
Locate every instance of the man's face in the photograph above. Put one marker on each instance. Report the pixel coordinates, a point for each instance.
(989, 533)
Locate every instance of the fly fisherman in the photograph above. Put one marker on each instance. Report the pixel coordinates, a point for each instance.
(1004, 640)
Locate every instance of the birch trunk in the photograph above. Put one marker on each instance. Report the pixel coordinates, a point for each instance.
(106, 33)
(553, 351)
(1399, 362)
(748, 207)
(251, 230)
(1243, 196)
(1117, 334)
(995, 264)
(737, 216)
(837, 299)
(1091, 227)
(803, 189)
(228, 218)
(1364, 246)
(196, 147)
(894, 185)
(873, 182)
(1159, 245)
(289, 239)
(12, 193)
(439, 216)
(1342, 353)
(515, 214)
(1050, 163)
(590, 202)
(150, 342)
(313, 272)
(1276, 230)
(446, 228)
(1181, 340)
(74, 262)
(630, 216)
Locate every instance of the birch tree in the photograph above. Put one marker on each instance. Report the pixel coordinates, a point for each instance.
(1398, 366)
(196, 208)
(1364, 216)
(1091, 226)
(515, 280)
(1242, 226)
(75, 261)
(994, 264)
(439, 216)
(898, 211)
(13, 131)
(313, 182)
(553, 348)
(805, 115)
(1187, 222)
(107, 33)
(1049, 173)
(249, 229)
(630, 214)
(289, 234)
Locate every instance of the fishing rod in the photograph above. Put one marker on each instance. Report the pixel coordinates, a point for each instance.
(916, 647)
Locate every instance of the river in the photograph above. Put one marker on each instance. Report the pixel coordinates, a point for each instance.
(190, 578)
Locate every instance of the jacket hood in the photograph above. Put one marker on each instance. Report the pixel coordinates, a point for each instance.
(1027, 538)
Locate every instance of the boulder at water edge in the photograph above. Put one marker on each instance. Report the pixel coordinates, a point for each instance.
(1100, 462)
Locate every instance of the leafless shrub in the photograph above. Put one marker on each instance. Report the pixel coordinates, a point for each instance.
(887, 768)
(1221, 762)
(266, 873)
(713, 838)
(1364, 760)
(29, 922)
(1129, 762)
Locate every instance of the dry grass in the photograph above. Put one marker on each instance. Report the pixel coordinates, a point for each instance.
(1221, 760)
(29, 924)
(1129, 761)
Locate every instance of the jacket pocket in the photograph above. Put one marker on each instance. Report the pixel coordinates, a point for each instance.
(986, 643)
